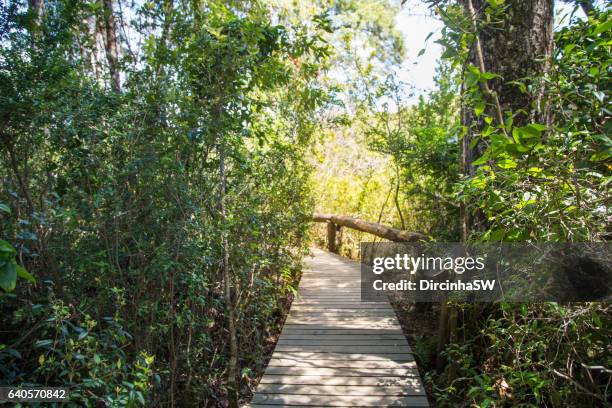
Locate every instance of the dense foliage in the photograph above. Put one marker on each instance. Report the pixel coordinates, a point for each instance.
(533, 180)
(110, 197)
(161, 160)
(542, 173)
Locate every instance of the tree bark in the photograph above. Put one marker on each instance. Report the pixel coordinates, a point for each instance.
(442, 336)
(396, 197)
(38, 7)
(228, 283)
(392, 234)
(94, 30)
(112, 48)
(331, 237)
(520, 46)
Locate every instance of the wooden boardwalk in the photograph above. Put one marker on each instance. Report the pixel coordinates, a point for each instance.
(336, 351)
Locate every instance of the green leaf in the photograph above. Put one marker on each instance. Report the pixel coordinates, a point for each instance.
(499, 139)
(5, 247)
(22, 273)
(534, 171)
(27, 236)
(506, 163)
(8, 276)
(449, 52)
(497, 235)
(140, 397)
(603, 27)
(601, 155)
(479, 108)
(5, 208)
(516, 149)
(43, 343)
(538, 127)
(474, 142)
(530, 132)
(488, 75)
(568, 48)
(421, 52)
(482, 159)
(471, 78)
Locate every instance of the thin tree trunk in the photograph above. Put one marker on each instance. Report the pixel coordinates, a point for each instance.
(173, 351)
(228, 282)
(23, 185)
(396, 197)
(112, 49)
(442, 336)
(38, 7)
(93, 30)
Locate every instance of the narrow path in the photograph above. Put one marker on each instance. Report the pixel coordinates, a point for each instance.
(336, 351)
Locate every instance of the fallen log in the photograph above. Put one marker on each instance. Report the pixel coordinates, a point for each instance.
(392, 234)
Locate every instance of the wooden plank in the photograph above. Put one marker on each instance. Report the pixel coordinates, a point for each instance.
(326, 329)
(342, 313)
(413, 381)
(345, 323)
(290, 362)
(342, 342)
(382, 390)
(336, 310)
(344, 372)
(340, 306)
(340, 401)
(344, 349)
(344, 356)
(332, 336)
(337, 334)
(335, 304)
(342, 318)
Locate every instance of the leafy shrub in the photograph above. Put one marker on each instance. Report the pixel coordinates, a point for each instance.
(531, 355)
(66, 347)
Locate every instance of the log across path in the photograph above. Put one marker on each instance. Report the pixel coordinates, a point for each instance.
(336, 351)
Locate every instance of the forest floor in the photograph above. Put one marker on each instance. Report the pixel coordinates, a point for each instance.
(269, 345)
(419, 324)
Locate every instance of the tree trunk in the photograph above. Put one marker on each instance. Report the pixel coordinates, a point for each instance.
(392, 234)
(442, 336)
(228, 282)
(112, 48)
(520, 46)
(396, 197)
(38, 7)
(331, 237)
(94, 30)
